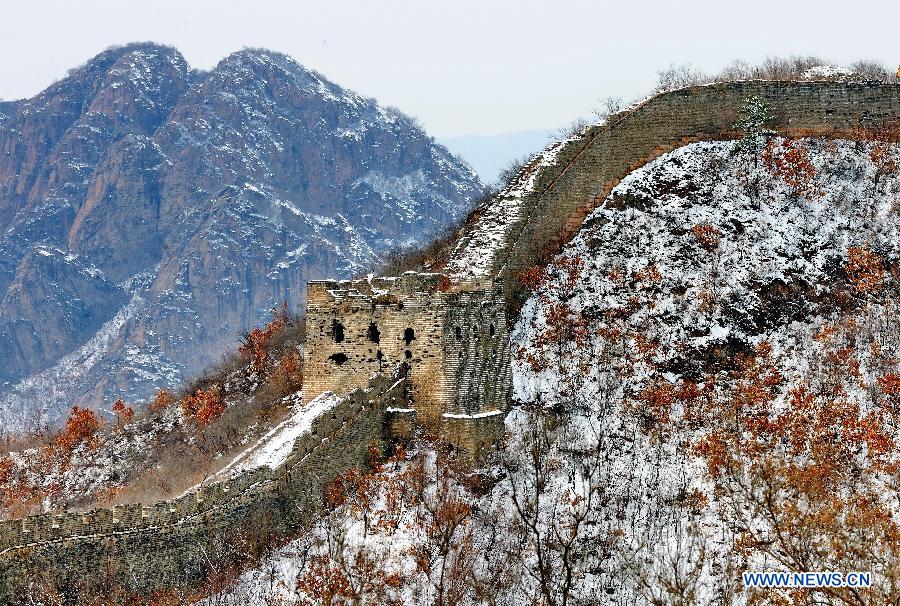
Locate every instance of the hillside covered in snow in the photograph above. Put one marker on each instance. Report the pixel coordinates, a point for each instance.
(244, 413)
(151, 213)
(706, 384)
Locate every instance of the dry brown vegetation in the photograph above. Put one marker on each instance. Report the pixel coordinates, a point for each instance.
(242, 394)
(800, 479)
(772, 68)
(707, 235)
(790, 163)
(194, 431)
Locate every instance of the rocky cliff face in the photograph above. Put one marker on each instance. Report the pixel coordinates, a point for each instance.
(151, 213)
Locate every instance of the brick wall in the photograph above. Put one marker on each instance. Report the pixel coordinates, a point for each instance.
(459, 378)
(476, 352)
(587, 168)
(142, 549)
(453, 337)
(406, 313)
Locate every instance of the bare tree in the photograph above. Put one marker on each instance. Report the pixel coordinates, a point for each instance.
(608, 107)
(556, 478)
(869, 70)
(679, 76)
(668, 570)
(446, 556)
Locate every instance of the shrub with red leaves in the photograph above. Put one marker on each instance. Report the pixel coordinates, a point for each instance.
(203, 406)
(123, 412)
(81, 427)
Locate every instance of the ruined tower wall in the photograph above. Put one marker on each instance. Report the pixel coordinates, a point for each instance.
(476, 352)
(459, 358)
(392, 306)
(459, 384)
(477, 364)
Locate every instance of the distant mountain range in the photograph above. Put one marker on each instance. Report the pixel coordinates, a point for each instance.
(149, 214)
(490, 154)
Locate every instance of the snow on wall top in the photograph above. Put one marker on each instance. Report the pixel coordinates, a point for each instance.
(547, 201)
(475, 259)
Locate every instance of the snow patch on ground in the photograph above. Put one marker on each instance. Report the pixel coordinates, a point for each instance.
(826, 72)
(51, 387)
(476, 256)
(645, 277)
(653, 293)
(273, 448)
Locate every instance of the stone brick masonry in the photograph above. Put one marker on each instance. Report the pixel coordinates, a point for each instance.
(590, 165)
(143, 549)
(453, 336)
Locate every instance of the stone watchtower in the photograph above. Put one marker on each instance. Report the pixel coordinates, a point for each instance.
(452, 336)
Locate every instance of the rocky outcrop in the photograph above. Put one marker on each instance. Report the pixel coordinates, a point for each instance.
(180, 207)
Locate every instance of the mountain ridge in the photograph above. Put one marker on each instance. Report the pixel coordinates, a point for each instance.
(212, 196)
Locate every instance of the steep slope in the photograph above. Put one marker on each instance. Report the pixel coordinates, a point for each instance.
(707, 382)
(724, 303)
(52, 145)
(241, 414)
(182, 207)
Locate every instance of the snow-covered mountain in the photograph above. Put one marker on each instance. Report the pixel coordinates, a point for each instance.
(707, 382)
(151, 213)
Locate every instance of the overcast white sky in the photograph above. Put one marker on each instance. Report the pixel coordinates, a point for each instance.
(461, 66)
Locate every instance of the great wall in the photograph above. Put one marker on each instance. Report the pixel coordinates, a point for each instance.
(145, 549)
(453, 336)
(447, 332)
(534, 224)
